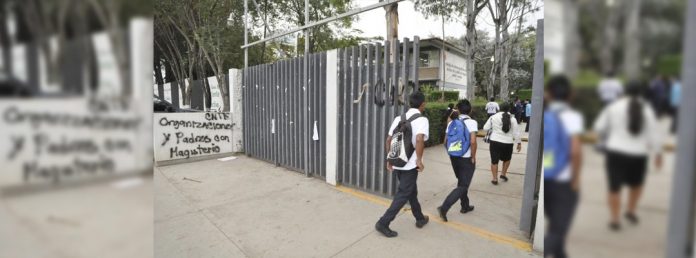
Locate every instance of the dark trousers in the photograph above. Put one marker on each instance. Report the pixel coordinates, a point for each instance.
(560, 202)
(464, 171)
(526, 129)
(406, 192)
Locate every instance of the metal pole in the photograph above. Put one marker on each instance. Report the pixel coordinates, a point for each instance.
(305, 91)
(246, 50)
(534, 154)
(324, 21)
(681, 213)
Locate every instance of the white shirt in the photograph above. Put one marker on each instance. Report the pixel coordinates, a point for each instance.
(492, 107)
(418, 126)
(614, 121)
(472, 125)
(495, 123)
(574, 124)
(610, 89)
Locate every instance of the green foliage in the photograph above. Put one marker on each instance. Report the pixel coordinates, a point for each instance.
(435, 96)
(524, 94)
(587, 103)
(587, 78)
(669, 65)
(435, 112)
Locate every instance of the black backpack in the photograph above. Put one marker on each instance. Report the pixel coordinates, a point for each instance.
(401, 148)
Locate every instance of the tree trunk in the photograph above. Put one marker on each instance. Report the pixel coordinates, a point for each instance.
(5, 44)
(496, 64)
(631, 57)
(470, 48)
(609, 40)
(505, 53)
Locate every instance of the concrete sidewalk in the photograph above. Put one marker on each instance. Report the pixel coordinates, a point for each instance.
(590, 235)
(250, 208)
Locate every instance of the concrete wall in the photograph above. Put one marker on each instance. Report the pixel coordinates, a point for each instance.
(189, 135)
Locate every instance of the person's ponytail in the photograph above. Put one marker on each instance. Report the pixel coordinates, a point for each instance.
(635, 108)
(506, 122)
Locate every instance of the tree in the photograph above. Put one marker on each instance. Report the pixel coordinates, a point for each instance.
(504, 14)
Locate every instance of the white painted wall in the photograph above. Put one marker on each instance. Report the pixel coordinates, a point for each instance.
(188, 135)
(331, 118)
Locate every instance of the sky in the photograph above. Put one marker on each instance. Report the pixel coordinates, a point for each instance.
(413, 23)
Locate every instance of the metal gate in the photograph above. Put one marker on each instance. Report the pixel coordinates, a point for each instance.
(275, 126)
(373, 89)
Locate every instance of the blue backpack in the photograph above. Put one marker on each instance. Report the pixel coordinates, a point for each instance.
(556, 145)
(458, 138)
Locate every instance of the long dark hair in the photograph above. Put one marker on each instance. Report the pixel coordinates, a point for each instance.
(505, 107)
(634, 91)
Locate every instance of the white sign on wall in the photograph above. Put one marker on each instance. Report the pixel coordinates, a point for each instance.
(455, 71)
(59, 140)
(216, 101)
(168, 92)
(19, 63)
(109, 83)
(187, 135)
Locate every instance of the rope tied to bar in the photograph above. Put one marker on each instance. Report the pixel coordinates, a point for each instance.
(362, 92)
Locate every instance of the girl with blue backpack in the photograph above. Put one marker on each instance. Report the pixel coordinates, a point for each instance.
(460, 143)
(561, 164)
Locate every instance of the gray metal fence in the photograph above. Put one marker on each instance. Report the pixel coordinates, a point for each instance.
(275, 128)
(371, 89)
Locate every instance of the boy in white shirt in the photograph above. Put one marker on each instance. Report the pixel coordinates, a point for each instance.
(492, 107)
(408, 174)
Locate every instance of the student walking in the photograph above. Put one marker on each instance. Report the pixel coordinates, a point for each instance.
(610, 88)
(527, 114)
(675, 98)
(502, 139)
(461, 147)
(408, 134)
(492, 107)
(630, 125)
(562, 159)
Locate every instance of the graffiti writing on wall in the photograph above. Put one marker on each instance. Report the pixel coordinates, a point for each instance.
(186, 135)
(58, 140)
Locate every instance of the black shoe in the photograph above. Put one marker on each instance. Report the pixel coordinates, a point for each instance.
(385, 230)
(504, 178)
(632, 218)
(468, 209)
(495, 182)
(421, 223)
(614, 226)
(443, 214)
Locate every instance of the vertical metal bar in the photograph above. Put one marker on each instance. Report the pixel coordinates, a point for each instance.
(245, 102)
(394, 103)
(274, 110)
(246, 40)
(534, 147)
(305, 92)
(255, 103)
(295, 114)
(324, 63)
(404, 72)
(265, 132)
(369, 123)
(285, 110)
(386, 183)
(344, 116)
(358, 118)
(681, 214)
(416, 63)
